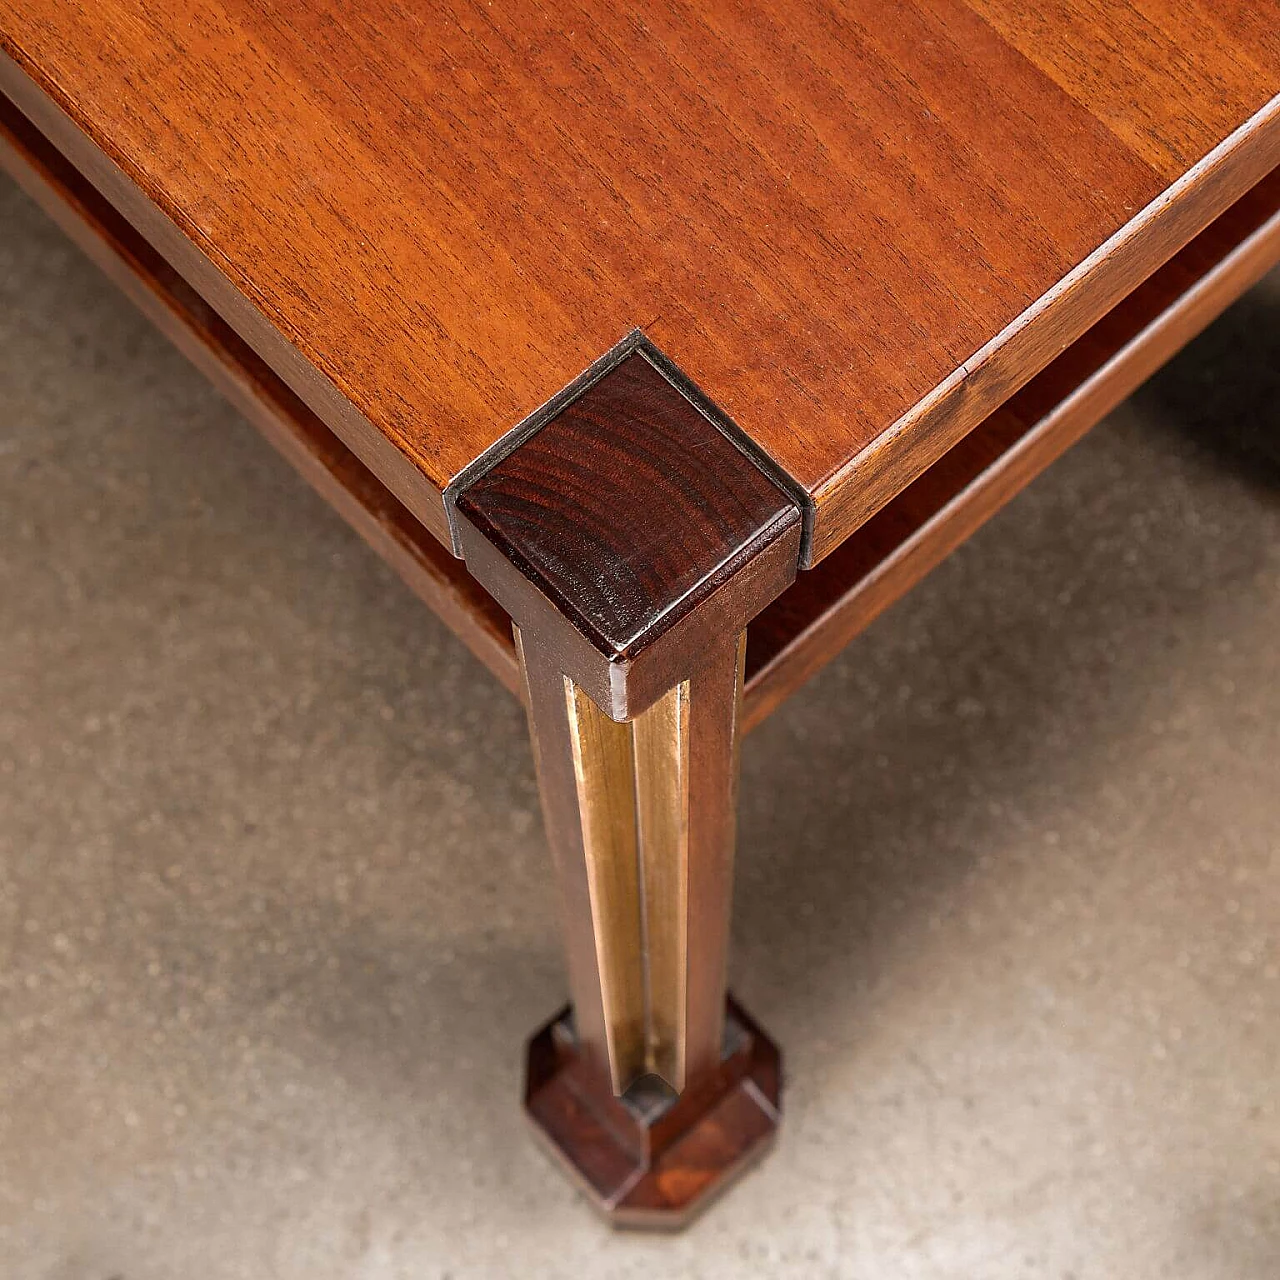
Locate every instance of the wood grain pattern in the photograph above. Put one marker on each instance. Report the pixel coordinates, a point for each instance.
(630, 533)
(857, 227)
(826, 607)
(320, 457)
(626, 509)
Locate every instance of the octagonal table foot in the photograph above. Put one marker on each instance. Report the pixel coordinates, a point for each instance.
(651, 1158)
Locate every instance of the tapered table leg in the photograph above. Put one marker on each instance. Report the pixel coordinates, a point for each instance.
(650, 1094)
(631, 541)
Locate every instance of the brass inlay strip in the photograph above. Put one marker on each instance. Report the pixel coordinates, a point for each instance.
(602, 766)
(662, 820)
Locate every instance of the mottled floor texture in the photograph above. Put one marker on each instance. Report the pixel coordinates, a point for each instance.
(275, 915)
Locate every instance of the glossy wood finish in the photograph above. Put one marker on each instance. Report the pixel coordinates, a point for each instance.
(978, 385)
(631, 533)
(650, 1160)
(807, 626)
(858, 228)
(320, 457)
(825, 607)
(850, 235)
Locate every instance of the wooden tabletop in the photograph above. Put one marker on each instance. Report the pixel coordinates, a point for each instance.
(857, 227)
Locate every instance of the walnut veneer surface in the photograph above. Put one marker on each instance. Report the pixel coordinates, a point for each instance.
(857, 227)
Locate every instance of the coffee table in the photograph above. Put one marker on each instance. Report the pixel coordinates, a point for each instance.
(659, 351)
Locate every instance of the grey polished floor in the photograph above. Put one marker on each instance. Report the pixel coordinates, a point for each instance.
(275, 916)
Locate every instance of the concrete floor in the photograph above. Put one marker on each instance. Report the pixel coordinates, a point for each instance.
(275, 915)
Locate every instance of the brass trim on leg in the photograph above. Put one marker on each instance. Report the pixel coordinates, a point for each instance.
(661, 743)
(603, 769)
(649, 806)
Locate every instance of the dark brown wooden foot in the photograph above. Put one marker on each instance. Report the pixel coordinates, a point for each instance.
(653, 1158)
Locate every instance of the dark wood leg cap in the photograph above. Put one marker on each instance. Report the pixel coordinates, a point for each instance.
(650, 1158)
